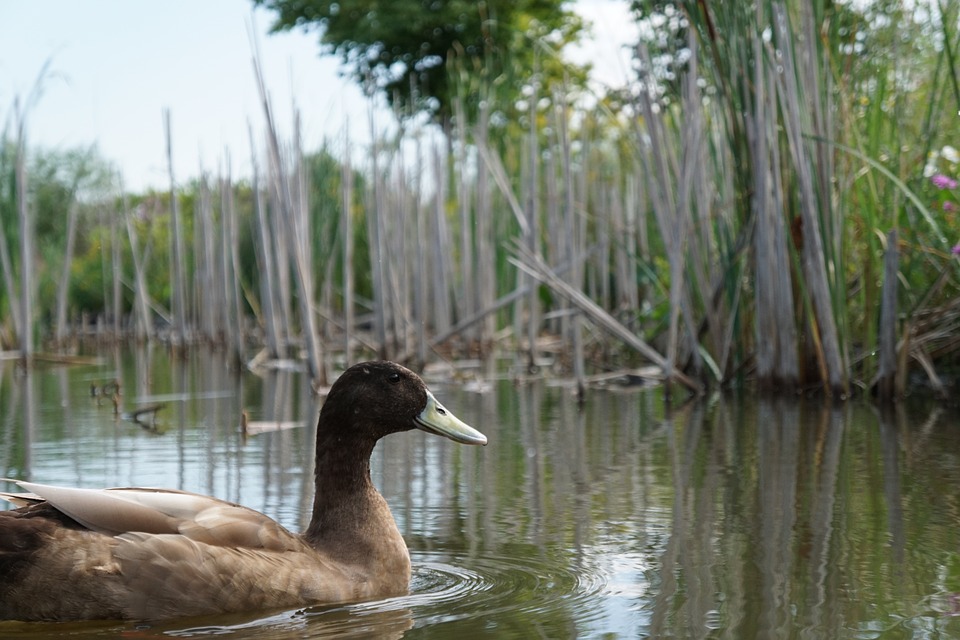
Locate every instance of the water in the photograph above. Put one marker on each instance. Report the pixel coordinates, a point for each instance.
(727, 518)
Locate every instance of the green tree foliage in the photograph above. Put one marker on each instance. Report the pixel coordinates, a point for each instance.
(150, 220)
(403, 48)
(326, 201)
(56, 180)
(58, 177)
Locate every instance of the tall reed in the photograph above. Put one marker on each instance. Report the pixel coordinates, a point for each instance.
(179, 332)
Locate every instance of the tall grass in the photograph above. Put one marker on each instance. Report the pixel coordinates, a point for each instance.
(729, 220)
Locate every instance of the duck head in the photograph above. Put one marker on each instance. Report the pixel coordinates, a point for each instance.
(373, 399)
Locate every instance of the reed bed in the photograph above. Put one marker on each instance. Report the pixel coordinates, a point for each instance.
(737, 221)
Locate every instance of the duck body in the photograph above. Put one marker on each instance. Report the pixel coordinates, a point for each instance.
(191, 555)
(79, 554)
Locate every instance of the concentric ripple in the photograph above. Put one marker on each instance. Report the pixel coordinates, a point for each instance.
(504, 592)
(508, 595)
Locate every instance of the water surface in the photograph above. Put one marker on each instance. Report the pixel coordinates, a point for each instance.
(725, 518)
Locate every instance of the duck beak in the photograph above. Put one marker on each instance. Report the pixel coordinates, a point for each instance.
(436, 419)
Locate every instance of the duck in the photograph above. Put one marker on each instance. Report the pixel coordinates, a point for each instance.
(70, 554)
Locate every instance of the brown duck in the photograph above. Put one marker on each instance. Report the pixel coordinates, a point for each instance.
(73, 554)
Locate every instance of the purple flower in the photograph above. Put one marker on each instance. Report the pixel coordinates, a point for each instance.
(941, 181)
(949, 205)
(956, 250)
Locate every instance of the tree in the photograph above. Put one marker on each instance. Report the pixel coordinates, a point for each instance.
(402, 48)
(61, 180)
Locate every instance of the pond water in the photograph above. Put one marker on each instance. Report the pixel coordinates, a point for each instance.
(724, 518)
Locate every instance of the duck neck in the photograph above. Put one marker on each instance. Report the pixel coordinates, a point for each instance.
(352, 524)
(348, 512)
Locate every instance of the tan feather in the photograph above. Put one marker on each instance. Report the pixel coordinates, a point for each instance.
(104, 510)
(20, 499)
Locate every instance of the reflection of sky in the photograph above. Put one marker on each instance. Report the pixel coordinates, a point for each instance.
(626, 559)
(115, 65)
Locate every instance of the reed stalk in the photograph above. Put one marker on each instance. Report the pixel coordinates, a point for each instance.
(374, 227)
(633, 247)
(887, 373)
(230, 274)
(179, 332)
(273, 214)
(273, 326)
(27, 243)
(398, 241)
(571, 246)
(208, 300)
(298, 230)
(117, 276)
(706, 226)
(776, 334)
(346, 235)
(485, 273)
(144, 318)
(466, 297)
(63, 286)
(419, 248)
(531, 232)
(553, 225)
(441, 243)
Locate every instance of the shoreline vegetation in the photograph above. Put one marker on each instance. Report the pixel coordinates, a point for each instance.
(779, 210)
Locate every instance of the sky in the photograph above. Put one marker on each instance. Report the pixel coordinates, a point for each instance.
(114, 66)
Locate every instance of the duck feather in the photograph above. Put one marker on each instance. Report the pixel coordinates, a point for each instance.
(197, 517)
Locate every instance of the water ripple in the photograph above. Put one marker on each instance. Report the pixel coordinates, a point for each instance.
(502, 588)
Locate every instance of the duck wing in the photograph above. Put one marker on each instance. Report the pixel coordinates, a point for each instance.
(200, 518)
(153, 553)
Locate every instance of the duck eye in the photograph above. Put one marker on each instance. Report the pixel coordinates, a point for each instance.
(394, 377)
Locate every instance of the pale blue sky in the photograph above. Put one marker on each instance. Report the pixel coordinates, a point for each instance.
(116, 64)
